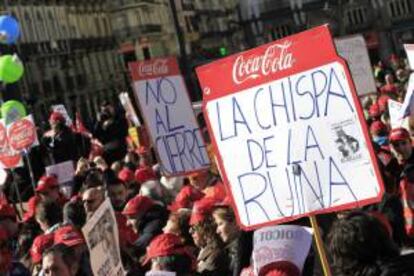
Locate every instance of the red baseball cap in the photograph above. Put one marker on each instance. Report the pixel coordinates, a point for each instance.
(46, 183)
(282, 268)
(399, 134)
(374, 110)
(126, 175)
(69, 236)
(145, 174)
(164, 245)
(40, 244)
(201, 209)
(185, 198)
(31, 208)
(137, 205)
(56, 117)
(217, 191)
(6, 210)
(383, 102)
(378, 127)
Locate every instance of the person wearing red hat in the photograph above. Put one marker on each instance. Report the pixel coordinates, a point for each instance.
(211, 260)
(167, 253)
(401, 147)
(374, 111)
(178, 224)
(40, 244)
(128, 177)
(389, 88)
(280, 269)
(186, 198)
(62, 143)
(146, 219)
(379, 133)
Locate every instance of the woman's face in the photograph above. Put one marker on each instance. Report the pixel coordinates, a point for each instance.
(198, 237)
(225, 229)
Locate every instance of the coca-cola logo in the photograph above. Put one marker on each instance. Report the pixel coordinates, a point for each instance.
(157, 67)
(22, 134)
(276, 58)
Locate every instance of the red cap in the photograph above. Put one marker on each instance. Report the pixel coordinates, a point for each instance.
(282, 268)
(46, 183)
(138, 205)
(126, 175)
(31, 208)
(40, 244)
(374, 110)
(164, 245)
(145, 174)
(6, 210)
(56, 117)
(399, 134)
(383, 102)
(378, 127)
(69, 236)
(201, 209)
(217, 191)
(185, 198)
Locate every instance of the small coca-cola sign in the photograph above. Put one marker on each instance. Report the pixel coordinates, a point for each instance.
(22, 134)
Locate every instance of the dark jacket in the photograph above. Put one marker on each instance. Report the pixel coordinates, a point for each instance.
(66, 145)
(212, 261)
(239, 252)
(150, 226)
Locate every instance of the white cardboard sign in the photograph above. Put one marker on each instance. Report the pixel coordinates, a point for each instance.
(409, 49)
(169, 117)
(129, 108)
(101, 234)
(354, 50)
(273, 244)
(288, 131)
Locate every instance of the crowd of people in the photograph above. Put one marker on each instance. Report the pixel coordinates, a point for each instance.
(186, 224)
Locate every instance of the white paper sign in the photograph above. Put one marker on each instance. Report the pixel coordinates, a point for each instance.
(354, 50)
(281, 243)
(64, 171)
(160, 273)
(169, 117)
(101, 234)
(409, 49)
(62, 110)
(129, 109)
(396, 120)
(407, 108)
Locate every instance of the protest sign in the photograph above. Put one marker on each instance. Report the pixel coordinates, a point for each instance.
(354, 50)
(160, 273)
(22, 134)
(101, 234)
(9, 158)
(288, 131)
(282, 243)
(129, 109)
(62, 110)
(409, 49)
(407, 108)
(163, 99)
(396, 119)
(64, 172)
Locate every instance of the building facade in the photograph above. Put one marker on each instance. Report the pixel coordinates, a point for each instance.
(69, 54)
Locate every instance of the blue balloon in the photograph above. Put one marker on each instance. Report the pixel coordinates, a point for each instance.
(9, 28)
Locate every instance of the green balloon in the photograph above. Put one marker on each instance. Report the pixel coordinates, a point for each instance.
(12, 111)
(11, 68)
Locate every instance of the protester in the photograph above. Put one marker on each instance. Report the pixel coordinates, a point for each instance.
(359, 244)
(59, 260)
(92, 199)
(7, 265)
(111, 130)
(146, 219)
(62, 142)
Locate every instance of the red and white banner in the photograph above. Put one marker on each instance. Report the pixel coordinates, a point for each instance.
(22, 134)
(288, 131)
(168, 115)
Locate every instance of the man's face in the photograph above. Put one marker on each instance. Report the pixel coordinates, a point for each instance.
(402, 149)
(53, 265)
(118, 195)
(52, 193)
(92, 199)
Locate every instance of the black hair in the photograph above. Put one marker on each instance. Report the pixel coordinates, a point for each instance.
(65, 252)
(49, 212)
(358, 243)
(180, 264)
(74, 213)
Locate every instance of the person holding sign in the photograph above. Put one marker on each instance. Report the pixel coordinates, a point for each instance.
(62, 143)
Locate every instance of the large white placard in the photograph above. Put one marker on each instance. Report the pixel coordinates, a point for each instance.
(169, 117)
(354, 50)
(101, 234)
